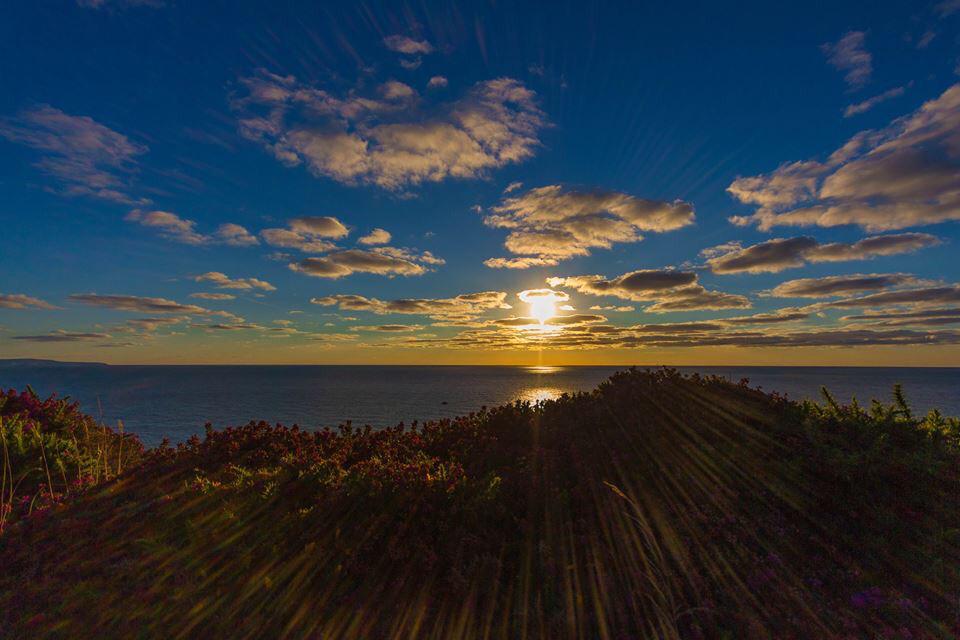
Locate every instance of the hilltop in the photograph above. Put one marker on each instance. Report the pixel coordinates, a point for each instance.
(37, 362)
(657, 505)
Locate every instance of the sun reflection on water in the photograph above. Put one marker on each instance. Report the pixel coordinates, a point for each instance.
(541, 369)
(540, 394)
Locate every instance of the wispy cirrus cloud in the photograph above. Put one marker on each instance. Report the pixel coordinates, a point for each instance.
(173, 227)
(849, 56)
(870, 103)
(906, 174)
(550, 224)
(388, 139)
(779, 254)
(84, 157)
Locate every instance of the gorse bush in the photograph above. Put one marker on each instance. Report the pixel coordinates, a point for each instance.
(657, 505)
(49, 450)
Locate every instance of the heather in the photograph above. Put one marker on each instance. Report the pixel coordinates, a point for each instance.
(657, 505)
(50, 450)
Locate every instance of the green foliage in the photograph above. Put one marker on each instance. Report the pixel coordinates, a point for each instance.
(51, 450)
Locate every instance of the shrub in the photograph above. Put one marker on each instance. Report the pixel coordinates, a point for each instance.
(51, 450)
(657, 505)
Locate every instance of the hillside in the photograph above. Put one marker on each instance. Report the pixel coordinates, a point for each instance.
(657, 505)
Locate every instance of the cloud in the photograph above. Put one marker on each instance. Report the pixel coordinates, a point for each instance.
(222, 281)
(924, 41)
(173, 227)
(288, 239)
(513, 186)
(938, 295)
(137, 303)
(234, 235)
(555, 321)
(437, 82)
(62, 336)
(849, 56)
(785, 253)
(946, 8)
(377, 236)
(22, 301)
(503, 334)
(904, 175)
(610, 307)
(213, 296)
(788, 314)
(818, 338)
(84, 156)
(926, 317)
(464, 306)
(407, 45)
(830, 286)
(870, 103)
(345, 263)
(170, 225)
(533, 295)
(146, 326)
(309, 234)
(551, 224)
(636, 285)
(235, 326)
(389, 328)
(520, 263)
(387, 140)
(322, 226)
(121, 4)
(667, 290)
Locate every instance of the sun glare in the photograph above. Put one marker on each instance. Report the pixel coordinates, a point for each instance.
(543, 309)
(543, 303)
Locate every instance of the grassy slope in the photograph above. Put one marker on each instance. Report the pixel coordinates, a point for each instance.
(656, 505)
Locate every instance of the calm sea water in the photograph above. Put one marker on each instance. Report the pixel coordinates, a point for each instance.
(175, 401)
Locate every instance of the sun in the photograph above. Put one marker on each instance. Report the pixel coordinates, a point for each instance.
(543, 309)
(543, 303)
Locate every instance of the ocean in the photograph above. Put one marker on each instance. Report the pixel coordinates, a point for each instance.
(175, 402)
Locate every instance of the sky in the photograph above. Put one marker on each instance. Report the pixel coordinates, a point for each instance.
(480, 182)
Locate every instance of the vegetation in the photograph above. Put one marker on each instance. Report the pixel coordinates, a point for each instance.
(50, 451)
(657, 505)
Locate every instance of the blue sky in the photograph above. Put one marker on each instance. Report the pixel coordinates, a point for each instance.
(760, 170)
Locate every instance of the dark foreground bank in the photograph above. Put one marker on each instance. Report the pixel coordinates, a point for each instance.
(657, 505)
